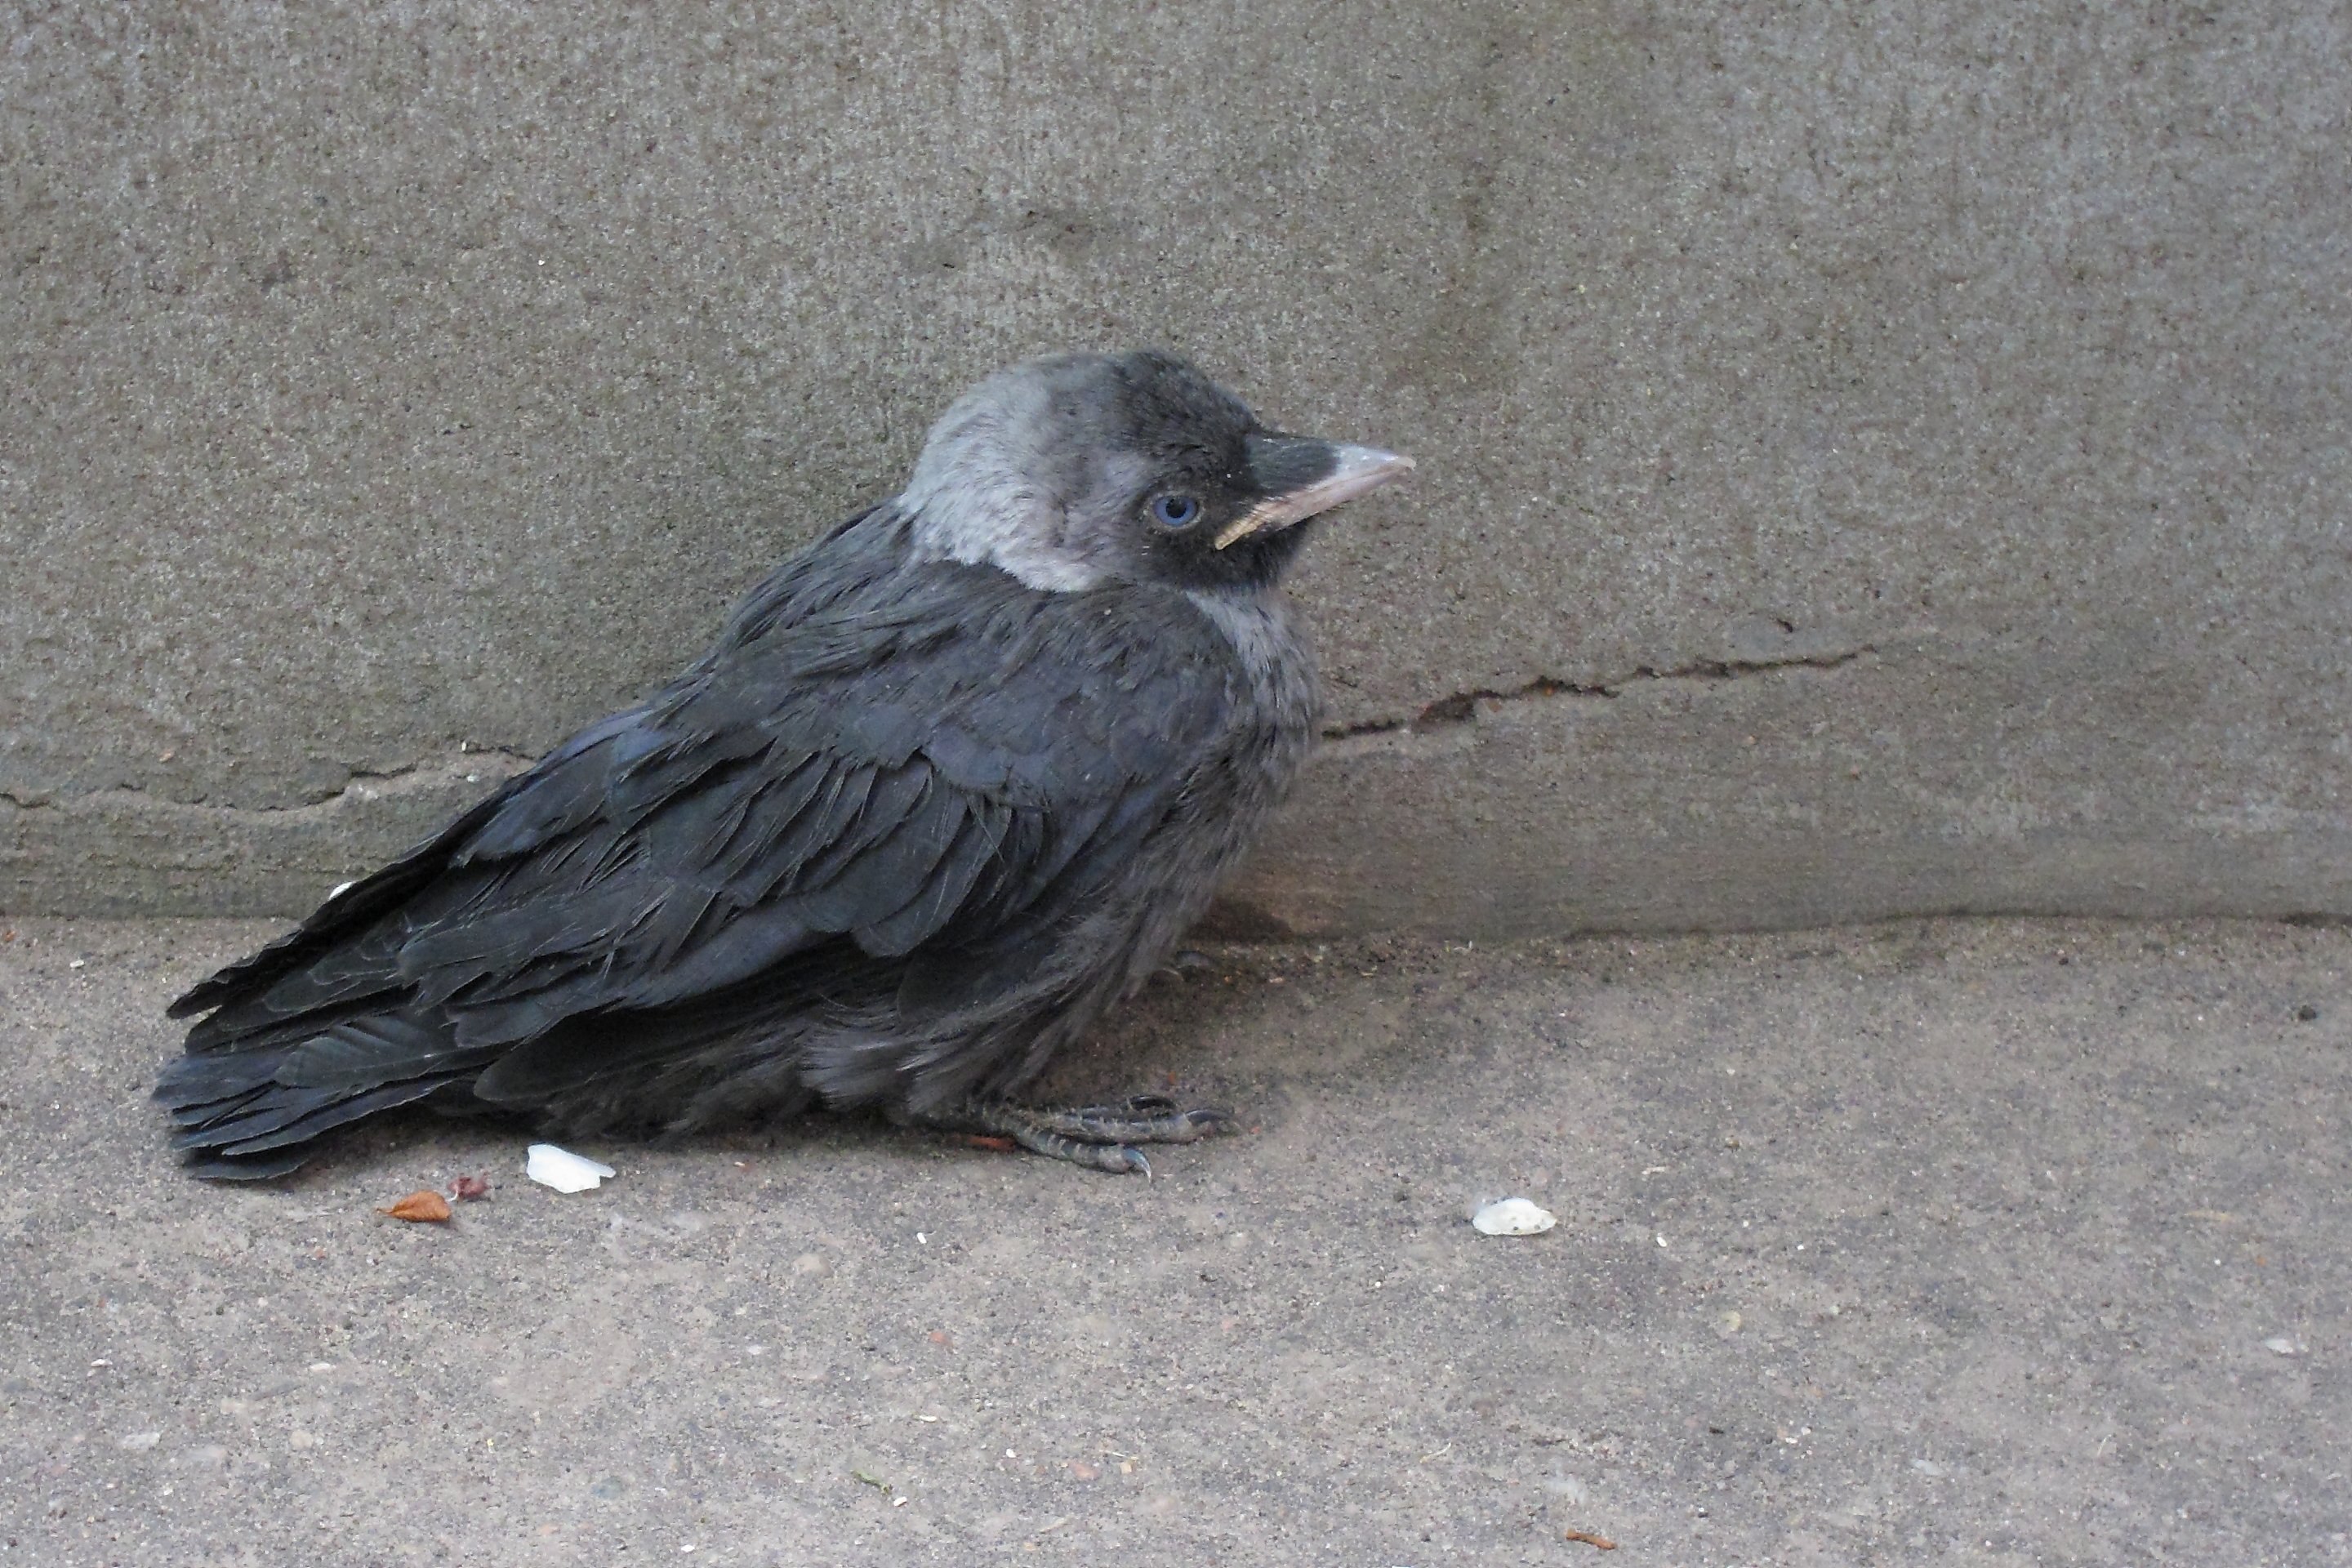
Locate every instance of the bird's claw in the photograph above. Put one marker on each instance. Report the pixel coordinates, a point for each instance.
(1101, 1136)
(1139, 1105)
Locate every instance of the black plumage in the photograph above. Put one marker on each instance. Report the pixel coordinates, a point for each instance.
(949, 784)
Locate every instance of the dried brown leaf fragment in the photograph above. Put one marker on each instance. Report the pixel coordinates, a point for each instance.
(420, 1206)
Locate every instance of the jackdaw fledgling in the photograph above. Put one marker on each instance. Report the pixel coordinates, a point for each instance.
(951, 783)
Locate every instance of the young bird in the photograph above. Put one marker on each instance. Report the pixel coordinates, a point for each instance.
(951, 782)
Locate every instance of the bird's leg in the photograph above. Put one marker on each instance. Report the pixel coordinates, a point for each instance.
(1096, 1135)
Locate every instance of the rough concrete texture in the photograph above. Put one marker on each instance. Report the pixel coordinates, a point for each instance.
(1968, 1243)
(383, 385)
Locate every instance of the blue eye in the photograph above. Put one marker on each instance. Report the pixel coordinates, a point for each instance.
(1175, 511)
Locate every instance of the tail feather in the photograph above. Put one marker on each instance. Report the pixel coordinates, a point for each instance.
(242, 1111)
(254, 1168)
(264, 1111)
(300, 1115)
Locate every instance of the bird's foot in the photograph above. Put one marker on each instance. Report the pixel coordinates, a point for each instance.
(1097, 1136)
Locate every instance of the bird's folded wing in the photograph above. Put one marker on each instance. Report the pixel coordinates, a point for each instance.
(933, 758)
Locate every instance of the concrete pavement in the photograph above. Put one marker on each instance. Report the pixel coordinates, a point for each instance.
(1964, 1242)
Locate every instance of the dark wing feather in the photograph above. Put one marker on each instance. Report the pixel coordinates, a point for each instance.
(789, 797)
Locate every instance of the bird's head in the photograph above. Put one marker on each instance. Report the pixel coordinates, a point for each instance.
(1082, 469)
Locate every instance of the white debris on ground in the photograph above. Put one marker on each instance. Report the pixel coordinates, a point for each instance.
(563, 1170)
(1514, 1216)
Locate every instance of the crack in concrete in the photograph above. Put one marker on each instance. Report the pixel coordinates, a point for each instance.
(469, 767)
(1461, 707)
(1450, 711)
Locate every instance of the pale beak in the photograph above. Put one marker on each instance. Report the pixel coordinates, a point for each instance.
(1303, 476)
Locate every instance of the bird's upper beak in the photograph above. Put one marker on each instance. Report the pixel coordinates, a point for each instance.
(1300, 477)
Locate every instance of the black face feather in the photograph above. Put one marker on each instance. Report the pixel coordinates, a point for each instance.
(1201, 444)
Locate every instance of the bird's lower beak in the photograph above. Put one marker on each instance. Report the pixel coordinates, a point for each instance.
(1302, 477)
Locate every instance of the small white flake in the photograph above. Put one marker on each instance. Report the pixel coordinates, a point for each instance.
(137, 1442)
(2283, 1345)
(1514, 1216)
(563, 1170)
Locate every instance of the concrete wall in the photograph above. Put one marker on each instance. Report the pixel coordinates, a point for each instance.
(1876, 458)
